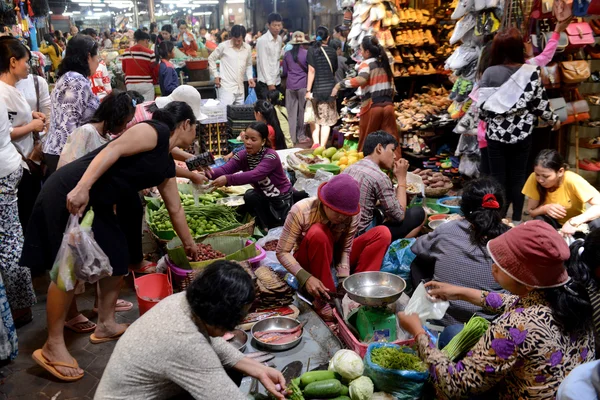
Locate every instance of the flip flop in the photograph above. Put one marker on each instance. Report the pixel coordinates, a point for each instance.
(122, 306)
(78, 320)
(116, 336)
(50, 366)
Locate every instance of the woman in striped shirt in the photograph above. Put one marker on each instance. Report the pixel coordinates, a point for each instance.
(376, 80)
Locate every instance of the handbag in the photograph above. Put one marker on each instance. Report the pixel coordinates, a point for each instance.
(594, 7)
(538, 11)
(580, 35)
(280, 206)
(559, 107)
(550, 76)
(562, 9)
(563, 41)
(573, 72)
(538, 29)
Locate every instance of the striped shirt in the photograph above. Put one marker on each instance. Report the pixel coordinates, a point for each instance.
(374, 186)
(376, 86)
(139, 65)
(301, 217)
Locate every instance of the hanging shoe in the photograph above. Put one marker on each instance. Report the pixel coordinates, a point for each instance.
(463, 7)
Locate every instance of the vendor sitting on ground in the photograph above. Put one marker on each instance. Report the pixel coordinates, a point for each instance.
(183, 349)
(455, 252)
(558, 196)
(322, 232)
(271, 199)
(544, 330)
(376, 186)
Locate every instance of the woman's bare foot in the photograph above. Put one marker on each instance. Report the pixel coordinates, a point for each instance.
(108, 330)
(59, 353)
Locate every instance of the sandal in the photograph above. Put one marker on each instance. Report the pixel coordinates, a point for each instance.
(50, 366)
(121, 306)
(97, 340)
(73, 324)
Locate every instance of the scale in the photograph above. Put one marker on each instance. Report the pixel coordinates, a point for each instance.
(374, 320)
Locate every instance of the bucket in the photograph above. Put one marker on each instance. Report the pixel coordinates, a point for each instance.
(152, 288)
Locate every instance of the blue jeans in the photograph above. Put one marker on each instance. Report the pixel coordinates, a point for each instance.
(448, 333)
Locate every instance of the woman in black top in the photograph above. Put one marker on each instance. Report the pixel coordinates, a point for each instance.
(322, 64)
(107, 177)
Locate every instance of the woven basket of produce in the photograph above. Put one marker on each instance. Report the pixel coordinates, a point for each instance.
(300, 160)
(438, 192)
(193, 274)
(436, 183)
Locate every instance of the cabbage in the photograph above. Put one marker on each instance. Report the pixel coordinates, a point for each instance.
(361, 388)
(347, 363)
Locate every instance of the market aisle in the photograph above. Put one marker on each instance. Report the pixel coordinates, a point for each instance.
(23, 379)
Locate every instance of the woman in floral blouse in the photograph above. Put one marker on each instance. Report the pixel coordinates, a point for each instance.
(544, 330)
(73, 102)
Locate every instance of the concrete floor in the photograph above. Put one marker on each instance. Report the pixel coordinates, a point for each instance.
(24, 379)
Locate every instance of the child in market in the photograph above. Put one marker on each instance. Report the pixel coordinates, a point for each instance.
(559, 197)
(265, 112)
(167, 75)
(544, 331)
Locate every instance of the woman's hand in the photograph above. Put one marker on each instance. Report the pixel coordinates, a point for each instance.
(316, 289)
(219, 182)
(410, 323)
(335, 90)
(308, 95)
(191, 250)
(37, 125)
(198, 179)
(561, 26)
(208, 172)
(271, 379)
(568, 229)
(556, 125)
(38, 115)
(443, 291)
(77, 200)
(555, 211)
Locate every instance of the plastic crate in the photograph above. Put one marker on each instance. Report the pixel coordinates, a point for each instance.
(353, 343)
(214, 137)
(215, 114)
(244, 112)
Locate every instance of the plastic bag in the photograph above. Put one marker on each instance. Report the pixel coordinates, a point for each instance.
(405, 385)
(421, 304)
(311, 185)
(273, 234)
(251, 99)
(79, 256)
(398, 258)
(309, 113)
(469, 165)
(417, 181)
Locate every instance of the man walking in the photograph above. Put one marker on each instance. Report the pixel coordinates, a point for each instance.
(268, 53)
(235, 65)
(139, 65)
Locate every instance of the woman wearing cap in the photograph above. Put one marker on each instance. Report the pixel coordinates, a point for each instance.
(321, 230)
(544, 331)
(295, 68)
(322, 64)
(376, 80)
(105, 179)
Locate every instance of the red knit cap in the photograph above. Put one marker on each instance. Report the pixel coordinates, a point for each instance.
(532, 253)
(341, 194)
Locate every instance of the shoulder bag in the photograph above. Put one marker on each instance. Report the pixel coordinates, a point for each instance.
(580, 35)
(563, 41)
(573, 72)
(562, 9)
(328, 61)
(550, 76)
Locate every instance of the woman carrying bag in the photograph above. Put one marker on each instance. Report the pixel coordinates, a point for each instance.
(322, 64)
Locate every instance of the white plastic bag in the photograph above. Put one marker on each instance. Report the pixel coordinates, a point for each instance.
(417, 181)
(79, 256)
(420, 303)
(311, 186)
(273, 234)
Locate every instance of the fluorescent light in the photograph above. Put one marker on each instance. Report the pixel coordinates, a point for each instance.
(67, 14)
(235, 2)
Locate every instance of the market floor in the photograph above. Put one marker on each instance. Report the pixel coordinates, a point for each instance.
(24, 379)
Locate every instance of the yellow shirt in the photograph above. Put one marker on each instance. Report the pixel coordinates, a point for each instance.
(51, 52)
(573, 193)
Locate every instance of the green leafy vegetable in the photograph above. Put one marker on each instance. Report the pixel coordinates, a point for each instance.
(395, 358)
(467, 338)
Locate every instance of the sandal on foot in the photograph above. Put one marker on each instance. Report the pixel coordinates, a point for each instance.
(73, 324)
(96, 340)
(121, 306)
(50, 366)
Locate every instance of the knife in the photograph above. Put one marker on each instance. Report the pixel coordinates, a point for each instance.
(292, 371)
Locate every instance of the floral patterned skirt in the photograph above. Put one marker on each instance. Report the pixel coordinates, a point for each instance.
(17, 279)
(325, 113)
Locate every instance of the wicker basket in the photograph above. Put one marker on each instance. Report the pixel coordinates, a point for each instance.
(246, 229)
(194, 273)
(438, 192)
(293, 162)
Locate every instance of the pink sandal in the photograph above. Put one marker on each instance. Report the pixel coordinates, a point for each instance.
(80, 319)
(121, 306)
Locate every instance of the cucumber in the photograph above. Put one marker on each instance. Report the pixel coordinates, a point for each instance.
(344, 391)
(323, 389)
(314, 376)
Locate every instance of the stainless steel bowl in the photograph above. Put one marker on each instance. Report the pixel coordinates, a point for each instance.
(374, 288)
(239, 340)
(269, 324)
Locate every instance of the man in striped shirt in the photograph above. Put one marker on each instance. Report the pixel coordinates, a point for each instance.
(139, 66)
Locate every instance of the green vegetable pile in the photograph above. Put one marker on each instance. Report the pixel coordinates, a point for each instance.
(467, 338)
(201, 220)
(206, 199)
(395, 358)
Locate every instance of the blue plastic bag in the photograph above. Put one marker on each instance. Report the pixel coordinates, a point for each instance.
(251, 99)
(405, 385)
(398, 258)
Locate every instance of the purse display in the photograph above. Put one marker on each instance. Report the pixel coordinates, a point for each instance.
(550, 76)
(559, 107)
(562, 9)
(580, 7)
(577, 111)
(563, 41)
(580, 34)
(573, 72)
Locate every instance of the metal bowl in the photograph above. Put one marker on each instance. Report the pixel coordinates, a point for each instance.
(269, 324)
(374, 289)
(239, 340)
(434, 224)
